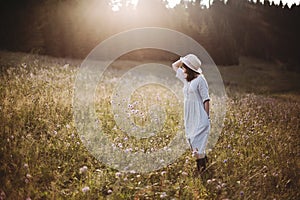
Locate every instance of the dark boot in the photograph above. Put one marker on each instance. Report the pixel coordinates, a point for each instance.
(201, 164)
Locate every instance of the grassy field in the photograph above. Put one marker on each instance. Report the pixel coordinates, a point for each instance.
(42, 156)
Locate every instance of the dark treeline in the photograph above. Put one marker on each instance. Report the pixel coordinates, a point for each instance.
(72, 28)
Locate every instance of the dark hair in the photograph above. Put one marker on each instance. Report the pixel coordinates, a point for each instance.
(190, 73)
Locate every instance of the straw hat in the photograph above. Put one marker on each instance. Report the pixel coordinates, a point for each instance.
(192, 62)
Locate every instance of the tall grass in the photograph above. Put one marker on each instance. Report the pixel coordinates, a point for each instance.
(42, 157)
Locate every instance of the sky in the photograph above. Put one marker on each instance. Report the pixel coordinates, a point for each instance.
(172, 3)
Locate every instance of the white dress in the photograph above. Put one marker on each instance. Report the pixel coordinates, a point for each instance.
(196, 121)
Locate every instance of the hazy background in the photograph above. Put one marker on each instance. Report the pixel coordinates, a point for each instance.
(72, 28)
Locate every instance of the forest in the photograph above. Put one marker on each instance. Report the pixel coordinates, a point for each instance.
(72, 28)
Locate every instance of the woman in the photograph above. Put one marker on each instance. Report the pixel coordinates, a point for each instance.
(196, 106)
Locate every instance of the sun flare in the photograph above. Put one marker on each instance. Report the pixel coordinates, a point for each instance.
(117, 4)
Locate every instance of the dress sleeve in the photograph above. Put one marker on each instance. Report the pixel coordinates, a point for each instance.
(203, 89)
(180, 75)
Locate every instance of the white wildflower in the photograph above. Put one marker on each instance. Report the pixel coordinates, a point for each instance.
(184, 173)
(28, 176)
(83, 169)
(85, 189)
(26, 165)
(163, 195)
(118, 174)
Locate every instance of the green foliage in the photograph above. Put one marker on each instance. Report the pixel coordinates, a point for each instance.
(42, 157)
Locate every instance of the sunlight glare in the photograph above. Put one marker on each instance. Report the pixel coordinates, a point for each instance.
(173, 3)
(117, 4)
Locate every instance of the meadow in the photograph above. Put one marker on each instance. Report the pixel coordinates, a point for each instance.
(42, 156)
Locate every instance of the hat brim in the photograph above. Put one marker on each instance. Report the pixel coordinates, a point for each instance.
(199, 71)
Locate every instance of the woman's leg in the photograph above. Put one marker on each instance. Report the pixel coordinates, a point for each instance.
(201, 160)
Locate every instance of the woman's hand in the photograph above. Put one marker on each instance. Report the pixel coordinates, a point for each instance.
(176, 65)
(206, 107)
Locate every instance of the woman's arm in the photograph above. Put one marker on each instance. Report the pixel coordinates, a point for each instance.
(206, 107)
(176, 65)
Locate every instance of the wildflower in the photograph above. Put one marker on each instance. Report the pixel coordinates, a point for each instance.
(265, 167)
(265, 175)
(184, 173)
(28, 176)
(118, 174)
(2, 195)
(209, 181)
(225, 161)
(128, 150)
(83, 169)
(275, 174)
(26, 165)
(163, 173)
(109, 191)
(85, 189)
(24, 65)
(242, 193)
(163, 195)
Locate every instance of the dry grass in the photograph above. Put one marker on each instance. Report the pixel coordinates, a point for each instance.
(42, 157)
